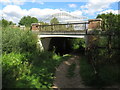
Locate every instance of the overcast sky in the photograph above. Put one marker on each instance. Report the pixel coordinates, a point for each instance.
(14, 10)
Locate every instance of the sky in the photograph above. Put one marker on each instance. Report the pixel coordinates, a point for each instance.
(14, 10)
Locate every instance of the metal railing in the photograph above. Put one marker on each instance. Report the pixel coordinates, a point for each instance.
(64, 27)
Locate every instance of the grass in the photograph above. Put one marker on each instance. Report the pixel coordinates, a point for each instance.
(71, 70)
(107, 75)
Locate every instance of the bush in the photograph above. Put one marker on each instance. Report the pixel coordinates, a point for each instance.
(17, 72)
(18, 40)
(78, 43)
(107, 74)
(13, 66)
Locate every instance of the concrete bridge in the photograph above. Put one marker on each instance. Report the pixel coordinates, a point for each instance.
(70, 34)
(45, 35)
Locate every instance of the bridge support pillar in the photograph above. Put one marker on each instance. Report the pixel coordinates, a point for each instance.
(43, 43)
(39, 44)
(94, 24)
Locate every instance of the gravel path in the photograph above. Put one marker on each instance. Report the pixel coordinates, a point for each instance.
(61, 81)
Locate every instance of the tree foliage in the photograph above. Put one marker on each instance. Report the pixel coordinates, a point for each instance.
(110, 27)
(56, 27)
(110, 21)
(54, 21)
(4, 23)
(28, 20)
(43, 23)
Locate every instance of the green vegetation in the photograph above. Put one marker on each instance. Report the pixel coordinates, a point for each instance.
(54, 21)
(86, 71)
(78, 43)
(71, 70)
(110, 21)
(101, 67)
(15, 40)
(56, 27)
(68, 45)
(4, 23)
(107, 75)
(30, 70)
(28, 20)
(23, 65)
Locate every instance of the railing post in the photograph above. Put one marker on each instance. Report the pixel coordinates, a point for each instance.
(85, 29)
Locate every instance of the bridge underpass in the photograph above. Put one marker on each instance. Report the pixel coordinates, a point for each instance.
(46, 37)
(60, 45)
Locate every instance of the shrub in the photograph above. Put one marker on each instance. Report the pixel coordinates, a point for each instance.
(18, 40)
(17, 72)
(12, 65)
(107, 74)
(78, 43)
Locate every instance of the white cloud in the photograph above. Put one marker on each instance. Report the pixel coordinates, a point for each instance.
(76, 13)
(72, 5)
(110, 10)
(96, 6)
(15, 13)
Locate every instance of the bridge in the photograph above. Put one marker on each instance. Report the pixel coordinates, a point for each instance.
(69, 30)
(71, 34)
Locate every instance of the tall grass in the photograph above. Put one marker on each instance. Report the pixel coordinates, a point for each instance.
(107, 74)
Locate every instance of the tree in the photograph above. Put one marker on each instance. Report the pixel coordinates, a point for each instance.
(60, 27)
(110, 21)
(43, 23)
(11, 23)
(111, 25)
(4, 22)
(28, 20)
(54, 21)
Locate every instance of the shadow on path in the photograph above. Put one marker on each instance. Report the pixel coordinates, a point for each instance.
(61, 81)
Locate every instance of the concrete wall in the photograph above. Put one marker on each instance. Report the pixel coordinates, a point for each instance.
(43, 43)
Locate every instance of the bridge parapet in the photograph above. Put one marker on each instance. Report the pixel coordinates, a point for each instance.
(60, 27)
(62, 32)
(94, 24)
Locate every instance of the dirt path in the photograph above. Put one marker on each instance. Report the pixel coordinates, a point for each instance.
(61, 81)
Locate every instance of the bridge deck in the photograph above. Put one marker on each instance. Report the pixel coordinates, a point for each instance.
(60, 32)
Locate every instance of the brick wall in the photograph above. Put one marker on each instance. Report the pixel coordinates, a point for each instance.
(94, 24)
(35, 27)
